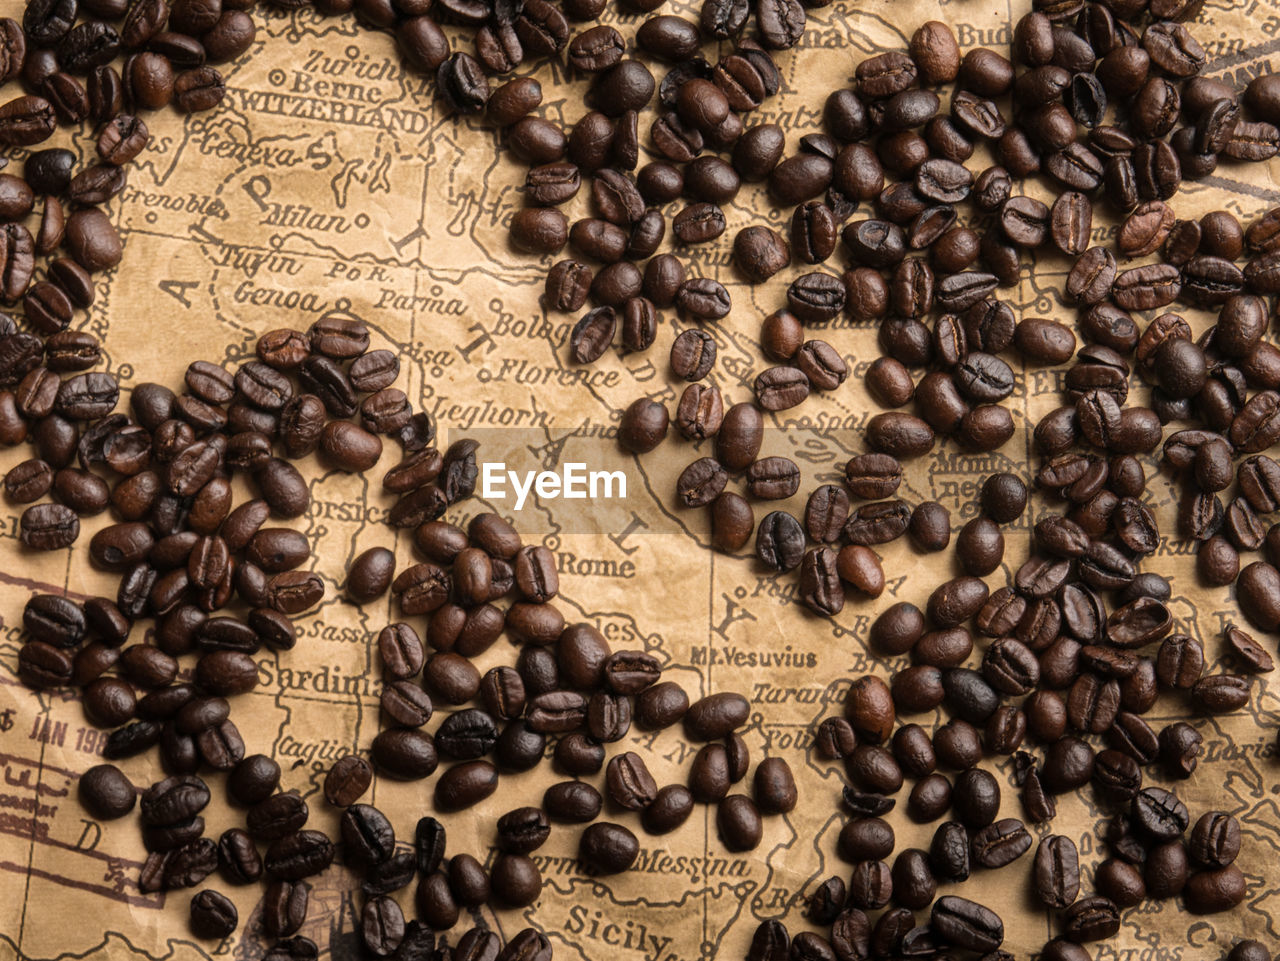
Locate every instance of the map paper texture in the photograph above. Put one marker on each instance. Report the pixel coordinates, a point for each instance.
(328, 182)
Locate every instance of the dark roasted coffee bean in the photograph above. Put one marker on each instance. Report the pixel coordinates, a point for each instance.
(1215, 840)
(213, 915)
(780, 541)
(1057, 871)
(404, 754)
(465, 784)
(106, 792)
(1000, 843)
(347, 780)
(608, 848)
(966, 924)
(1091, 919)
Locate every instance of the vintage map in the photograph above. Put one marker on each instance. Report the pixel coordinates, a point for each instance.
(328, 183)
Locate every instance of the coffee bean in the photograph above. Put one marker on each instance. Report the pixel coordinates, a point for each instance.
(1215, 840)
(48, 527)
(608, 848)
(738, 823)
(935, 52)
(693, 354)
(815, 297)
(277, 816)
(465, 784)
(26, 120)
(298, 856)
(870, 885)
(213, 915)
(106, 792)
(760, 253)
(820, 587)
(1159, 814)
(382, 925)
(1057, 871)
(347, 780)
(253, 779)
(702, 298)
(813, 232)
(780, 541)
(701, 482)
(1212, 891)
(1000, 843)
(539, 230)
(826, 512)
(1220, 693)
(966, 924)
(404, 754)
(715, 716)
(1091, 919)
(889, 382)
(781, 388)
(772, 478)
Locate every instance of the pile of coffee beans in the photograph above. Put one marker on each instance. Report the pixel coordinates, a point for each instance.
(1100, 105)
(1063, 665)
(103, 63)
(567, 684)
(545, 694)
(916, 258)
(699, 105)
(220, 584)
(1069, 694)
(64, 55)
(699, 114)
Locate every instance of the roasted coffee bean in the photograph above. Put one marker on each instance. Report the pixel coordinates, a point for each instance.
(872, 476)
(661, 706)
(1057, 871)
(772, 478)
(572, 801)
(780, 542)
(826, 512)
(1220, 693)
(466, 734)
(1215, 840)
(820, 587)
(1000, 843)
(253, 779)
(298, 856)
(701, 482)
(213, 915)
(899, 435)
(693, 354)
(1091, 919)
(465, 784)
(277, 816)
(1159, 814)
(462, 84)
(608, 848)
(406, 704)
(966, 924)
(878, 523)
(404, 754)
(1217, 890)
(238, 857)
(347, 780)
(702, 298)
(106, 792)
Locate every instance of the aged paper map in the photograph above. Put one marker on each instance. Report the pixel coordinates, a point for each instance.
(329, 183)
